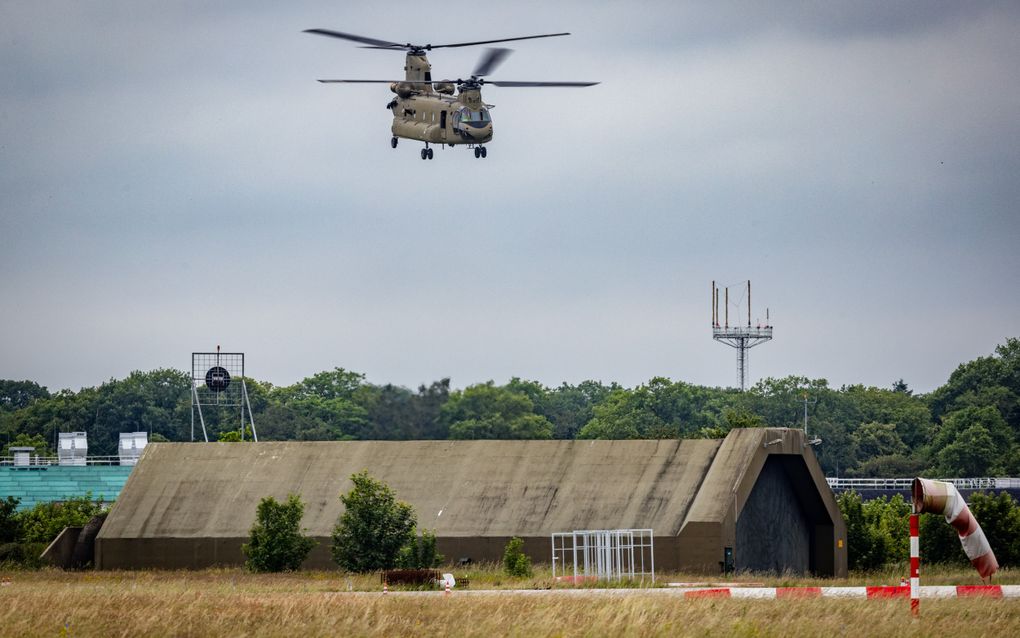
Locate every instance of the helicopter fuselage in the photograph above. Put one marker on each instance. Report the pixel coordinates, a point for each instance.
(440, 120)
(428, 111)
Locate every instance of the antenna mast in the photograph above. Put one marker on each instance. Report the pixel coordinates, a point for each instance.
(740, 338)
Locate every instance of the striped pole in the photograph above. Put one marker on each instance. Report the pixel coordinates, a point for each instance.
(915, 566)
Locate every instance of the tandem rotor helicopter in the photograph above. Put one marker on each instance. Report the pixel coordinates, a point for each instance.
(430, 111)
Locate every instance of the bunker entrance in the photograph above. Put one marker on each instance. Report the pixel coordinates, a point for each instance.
(784, 526)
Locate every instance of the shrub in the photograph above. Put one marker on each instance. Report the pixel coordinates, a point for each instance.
(21, 555)
(10, 524)
(866, 547)
(515, 561)
(276, 543)
(420, 552)
(373, 528)
(45, 521)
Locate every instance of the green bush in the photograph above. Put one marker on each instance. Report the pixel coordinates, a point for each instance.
(515, 561)
(940, 544)
(373, 528)
(10, 523)
(866, 547)
(275, 543)
(21, 555)
(420, 552)
(45, 521)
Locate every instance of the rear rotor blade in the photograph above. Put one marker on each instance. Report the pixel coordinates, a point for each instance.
(471, 44)
(523, 84)
(491, 59)
(382, 44)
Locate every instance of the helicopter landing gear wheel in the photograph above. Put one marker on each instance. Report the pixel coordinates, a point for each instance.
(429, 153)
(424, 153)
(393, 142)
(478, 152)
(485, 153)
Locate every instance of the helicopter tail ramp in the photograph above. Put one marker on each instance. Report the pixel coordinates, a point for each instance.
(939, 497)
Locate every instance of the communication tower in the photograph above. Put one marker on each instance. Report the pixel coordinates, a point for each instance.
(217, 383)
(743, 338)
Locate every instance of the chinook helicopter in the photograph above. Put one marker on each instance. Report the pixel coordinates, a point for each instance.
(444, 112)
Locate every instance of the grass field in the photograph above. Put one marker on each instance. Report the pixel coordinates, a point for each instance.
(236, 603)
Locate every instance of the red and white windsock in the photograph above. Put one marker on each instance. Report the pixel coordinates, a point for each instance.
(939, 497)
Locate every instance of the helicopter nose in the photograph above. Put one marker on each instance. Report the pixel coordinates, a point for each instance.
(482, 132)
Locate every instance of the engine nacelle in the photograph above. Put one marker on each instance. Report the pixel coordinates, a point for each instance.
(445, 87)
(403, 89)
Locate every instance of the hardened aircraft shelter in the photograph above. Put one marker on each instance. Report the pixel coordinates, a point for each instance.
(756, 500)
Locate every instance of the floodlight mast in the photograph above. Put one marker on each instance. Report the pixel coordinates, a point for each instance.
(739, 337)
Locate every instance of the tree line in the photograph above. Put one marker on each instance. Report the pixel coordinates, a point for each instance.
(967, 427)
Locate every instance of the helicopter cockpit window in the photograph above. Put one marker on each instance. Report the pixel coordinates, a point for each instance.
(476, 119)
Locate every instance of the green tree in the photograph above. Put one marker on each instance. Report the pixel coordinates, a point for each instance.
(373, 527)
(623, 414)
(327, 385)
(878, 439)
(15, 395)
(275, 542)
(25, 440)
(234, 436)
(973, 442)
(570, 407)
(515, 561)
(487, 411)
(986, 381)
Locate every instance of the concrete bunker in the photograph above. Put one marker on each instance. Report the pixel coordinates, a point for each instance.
(190, 505)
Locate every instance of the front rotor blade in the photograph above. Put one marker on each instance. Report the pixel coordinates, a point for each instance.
(471, 44)
(491, 59)
(384, 44)
(378, 81)
(520, 84)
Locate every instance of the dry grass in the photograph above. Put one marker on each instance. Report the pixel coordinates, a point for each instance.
(232, 602)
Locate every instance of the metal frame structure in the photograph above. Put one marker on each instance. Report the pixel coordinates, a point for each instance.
(217, 381)
(979, 483)
(743, 338)
(604, 554)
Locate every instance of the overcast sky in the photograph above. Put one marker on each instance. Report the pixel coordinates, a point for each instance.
(172, 177)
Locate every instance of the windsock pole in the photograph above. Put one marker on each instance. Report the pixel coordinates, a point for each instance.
(915, 566)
